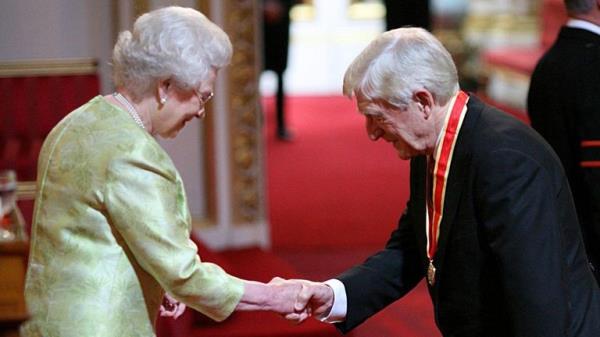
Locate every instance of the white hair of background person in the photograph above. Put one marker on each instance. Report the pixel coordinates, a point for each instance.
(174, 43)
(579, 6)
(400, 62)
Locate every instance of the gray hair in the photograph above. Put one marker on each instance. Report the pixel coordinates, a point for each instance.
(400, 62)
(174, 43)
(579, 6)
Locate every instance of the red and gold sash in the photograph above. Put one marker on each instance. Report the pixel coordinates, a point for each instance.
(443, 159)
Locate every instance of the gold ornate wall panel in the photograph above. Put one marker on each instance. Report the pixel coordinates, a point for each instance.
(245, 121)
(48, 67)
(203, 6)
(140, 7)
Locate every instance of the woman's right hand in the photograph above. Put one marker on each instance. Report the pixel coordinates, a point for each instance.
(171, 307)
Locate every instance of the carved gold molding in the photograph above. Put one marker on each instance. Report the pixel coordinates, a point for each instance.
(47, 67)
(245, 124)
(204, 7)
(140, 7)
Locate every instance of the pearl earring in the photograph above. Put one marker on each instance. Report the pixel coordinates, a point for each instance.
(163, 100)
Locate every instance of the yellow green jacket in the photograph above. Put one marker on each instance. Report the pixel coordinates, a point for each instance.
(111, 233)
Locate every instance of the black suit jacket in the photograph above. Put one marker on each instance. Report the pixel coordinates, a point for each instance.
(564, 107)
(510, 261)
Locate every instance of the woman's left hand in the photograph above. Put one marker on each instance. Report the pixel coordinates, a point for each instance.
(171, 307)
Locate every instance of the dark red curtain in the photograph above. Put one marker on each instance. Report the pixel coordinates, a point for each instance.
(31, 107)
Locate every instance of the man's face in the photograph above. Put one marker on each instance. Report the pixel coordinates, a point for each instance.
(408, 129)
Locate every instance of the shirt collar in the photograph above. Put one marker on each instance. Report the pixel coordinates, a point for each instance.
(582, 24)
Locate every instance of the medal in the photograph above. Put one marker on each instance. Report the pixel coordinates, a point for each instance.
(441, 168)
(431, 273)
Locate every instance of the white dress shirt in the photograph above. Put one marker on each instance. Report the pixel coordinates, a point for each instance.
(340, 306)
(582, 24)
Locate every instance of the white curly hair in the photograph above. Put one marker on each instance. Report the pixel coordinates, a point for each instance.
(174, 43)
(398, 63)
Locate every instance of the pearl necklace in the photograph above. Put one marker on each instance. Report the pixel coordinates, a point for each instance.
(130, 108)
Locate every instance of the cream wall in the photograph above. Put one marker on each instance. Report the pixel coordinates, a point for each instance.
(33, 29)
(321, 48)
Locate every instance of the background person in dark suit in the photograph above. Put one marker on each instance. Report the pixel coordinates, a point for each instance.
(509, 259)
(401, 13)
(564, 107)
(276, 33)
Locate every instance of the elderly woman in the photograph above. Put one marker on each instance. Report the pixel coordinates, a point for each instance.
(111, 228)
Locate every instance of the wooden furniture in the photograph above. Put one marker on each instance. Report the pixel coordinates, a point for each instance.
(13, 264)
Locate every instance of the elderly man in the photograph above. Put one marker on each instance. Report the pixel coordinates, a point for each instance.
(490, 222)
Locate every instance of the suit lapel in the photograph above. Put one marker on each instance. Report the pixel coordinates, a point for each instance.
(418, 169)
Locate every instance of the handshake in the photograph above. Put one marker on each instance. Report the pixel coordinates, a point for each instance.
(294, 299)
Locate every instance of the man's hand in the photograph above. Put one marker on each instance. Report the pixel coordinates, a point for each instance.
(296, 300)
(278, 296)
(285, 297)
(315, 298)
(171, 307)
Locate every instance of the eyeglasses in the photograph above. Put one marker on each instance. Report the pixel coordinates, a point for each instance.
(204, 97)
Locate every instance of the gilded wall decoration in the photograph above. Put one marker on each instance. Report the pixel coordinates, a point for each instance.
(246, 144)
(140, 7)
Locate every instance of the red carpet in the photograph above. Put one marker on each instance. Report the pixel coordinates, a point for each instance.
(334, 196)
(331, 186)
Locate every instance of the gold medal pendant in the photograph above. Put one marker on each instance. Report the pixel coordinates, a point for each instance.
(431, 274)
